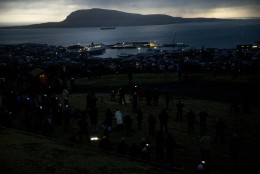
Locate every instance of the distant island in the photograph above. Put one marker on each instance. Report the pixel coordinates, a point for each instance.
(107, 18)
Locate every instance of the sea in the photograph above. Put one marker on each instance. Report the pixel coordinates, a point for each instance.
(218, 34)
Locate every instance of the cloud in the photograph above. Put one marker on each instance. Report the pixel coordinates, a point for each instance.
(57, 10)
(166, 3)
(174, 7)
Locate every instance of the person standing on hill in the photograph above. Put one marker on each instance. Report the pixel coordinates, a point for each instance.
(130, 78)
(163, 117)
(151, 124)
(203, 122)
(128, 124)
(220, 130)
(139, 118)
(122, 147)
(155, 97)
(92, 110)
(167, 99)
(83, 128)
(135, 101)
(66, 115)
(148, 97)
(191, 120)
(65, 97)
(179, 107)
(119, 120)
(121, 92)
(109, 118)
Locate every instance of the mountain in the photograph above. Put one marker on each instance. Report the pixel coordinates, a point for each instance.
(104, 18)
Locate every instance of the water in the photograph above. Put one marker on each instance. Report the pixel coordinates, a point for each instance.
(221, 34)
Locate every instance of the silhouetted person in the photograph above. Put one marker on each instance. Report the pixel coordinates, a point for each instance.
(122, 147)
(220, 130)
(141, 93)
(109, 119)
(57, 115)
(203, 122)
(235, 105)
(167, 99)
(48, 126)
(151, 124)
(66, 118)
(130, 78)
(191, 120)
(139, 118)
(179, 107)
(93, 116)
(65, 97)
(119, 120)
(155, 97)
(121, 92)
(83, 129)
(163, 117)
(148, 97)
(72, 84)
(135, 101)
(92, 110)
(128, 124)
(179, 70)
(113, 95)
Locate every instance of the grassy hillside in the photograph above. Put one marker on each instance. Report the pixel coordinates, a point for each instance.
(21, 153)
(25, 154)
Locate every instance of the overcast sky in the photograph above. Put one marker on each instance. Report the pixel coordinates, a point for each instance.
(37, 11)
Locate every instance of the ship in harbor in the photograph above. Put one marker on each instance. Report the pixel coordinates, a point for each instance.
(130, 45)
(96, 48)
(93, 49)
(107, 28)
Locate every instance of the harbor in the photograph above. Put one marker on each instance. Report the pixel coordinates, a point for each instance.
(144, 59)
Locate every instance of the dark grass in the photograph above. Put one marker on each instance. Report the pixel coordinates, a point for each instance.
(26, 153)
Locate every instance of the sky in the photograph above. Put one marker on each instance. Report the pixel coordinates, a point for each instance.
(39, 11)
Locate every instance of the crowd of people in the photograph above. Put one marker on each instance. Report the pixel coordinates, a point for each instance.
(44, 113)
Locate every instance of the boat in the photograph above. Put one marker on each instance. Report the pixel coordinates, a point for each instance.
(76, 49)
(95, 48)
(107, 28)
(123, 45)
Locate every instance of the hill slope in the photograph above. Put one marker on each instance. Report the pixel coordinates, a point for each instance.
(25, 153)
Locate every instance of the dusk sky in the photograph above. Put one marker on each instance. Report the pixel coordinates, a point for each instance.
(38, 11)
